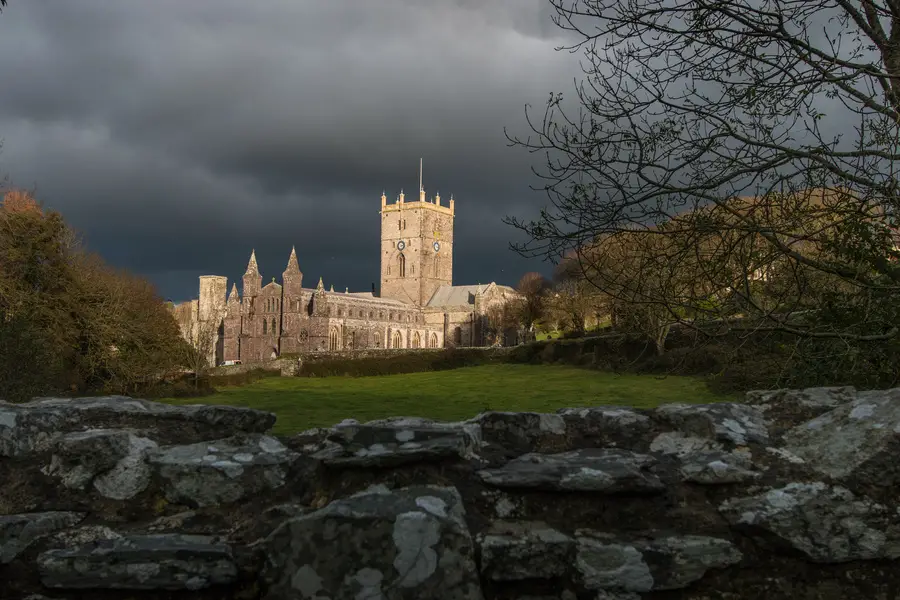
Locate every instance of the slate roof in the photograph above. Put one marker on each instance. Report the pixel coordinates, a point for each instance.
(461, 295)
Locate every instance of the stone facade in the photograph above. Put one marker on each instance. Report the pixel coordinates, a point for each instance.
(788, 496)
(418, 305)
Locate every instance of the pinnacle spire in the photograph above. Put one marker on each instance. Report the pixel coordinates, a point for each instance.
(293, 265)
(321, 286)
(252, 267)
(233, 295)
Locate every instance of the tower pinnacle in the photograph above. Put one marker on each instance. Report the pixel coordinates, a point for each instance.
(252, 267)
(292, 266)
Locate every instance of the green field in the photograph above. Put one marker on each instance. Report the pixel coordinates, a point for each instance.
(302, 402)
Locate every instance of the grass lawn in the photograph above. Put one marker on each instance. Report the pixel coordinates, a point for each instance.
(302, 402)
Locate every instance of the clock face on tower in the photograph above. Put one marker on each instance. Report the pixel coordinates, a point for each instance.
(401, 245)
(437, 246)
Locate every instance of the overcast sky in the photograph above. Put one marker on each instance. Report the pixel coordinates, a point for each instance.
(176, 136)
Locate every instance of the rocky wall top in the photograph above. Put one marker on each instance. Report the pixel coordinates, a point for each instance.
(790, 495)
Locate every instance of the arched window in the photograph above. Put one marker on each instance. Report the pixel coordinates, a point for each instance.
(402, 261)
(340, 312)
(274, 328)
(378, 339)
(390, 316)
(352, 340)
(432, 341)
(412, 269)
(265, 327)
(397, 340)
(417, 340)
(334, 340)
(437, 266)
(457, 335)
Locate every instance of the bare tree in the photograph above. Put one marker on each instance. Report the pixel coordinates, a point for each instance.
(758, 137)
(199, 353)
(531, 305)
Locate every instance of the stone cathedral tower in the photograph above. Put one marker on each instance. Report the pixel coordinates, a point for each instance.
(416, 247)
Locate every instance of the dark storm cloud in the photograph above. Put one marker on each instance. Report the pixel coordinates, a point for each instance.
(179, 135)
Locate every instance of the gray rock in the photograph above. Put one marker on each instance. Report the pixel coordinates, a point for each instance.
(406, 543)
(394, 443)
(563, 595)
(521, 430)
(608, 426)
(140, 562)
(113, 460)
(675, 443)
(788, 408)
(17, 532)
(666, 563)
(714, 468)
(609, 565)
(222, 471)
(131, 475)
(818, 397)
(34, 426)
(826, 523)
(687, 558)
(520, 550)
(604, 470)
(865, 431)
(80, 456)
(737, 424)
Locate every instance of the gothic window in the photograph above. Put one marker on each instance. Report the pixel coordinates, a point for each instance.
(340, 312)
(402, 265)
(265, 327)
(417, 340)
(432, 341)
(381, 315)
(412, 269)
(371, 314)
(390, 316)
(304, 335)
(274, 329)
(397, 340)
(389, 269)
(457, 335)
(437, 266)
(407, 318)
(378, 339)
(334, 340)
(352, 340)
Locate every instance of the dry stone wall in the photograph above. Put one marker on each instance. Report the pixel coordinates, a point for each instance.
(791, 495)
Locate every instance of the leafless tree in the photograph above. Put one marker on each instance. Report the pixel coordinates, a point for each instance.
(531, 304)
(199, 353)
(758, 138)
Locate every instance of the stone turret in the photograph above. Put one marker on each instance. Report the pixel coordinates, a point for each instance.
(292, 277)
(231, 342)
(252, 278)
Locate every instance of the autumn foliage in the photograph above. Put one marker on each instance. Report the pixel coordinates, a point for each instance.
(68, 321)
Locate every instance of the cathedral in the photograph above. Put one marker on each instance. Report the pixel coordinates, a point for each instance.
(417, 307)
